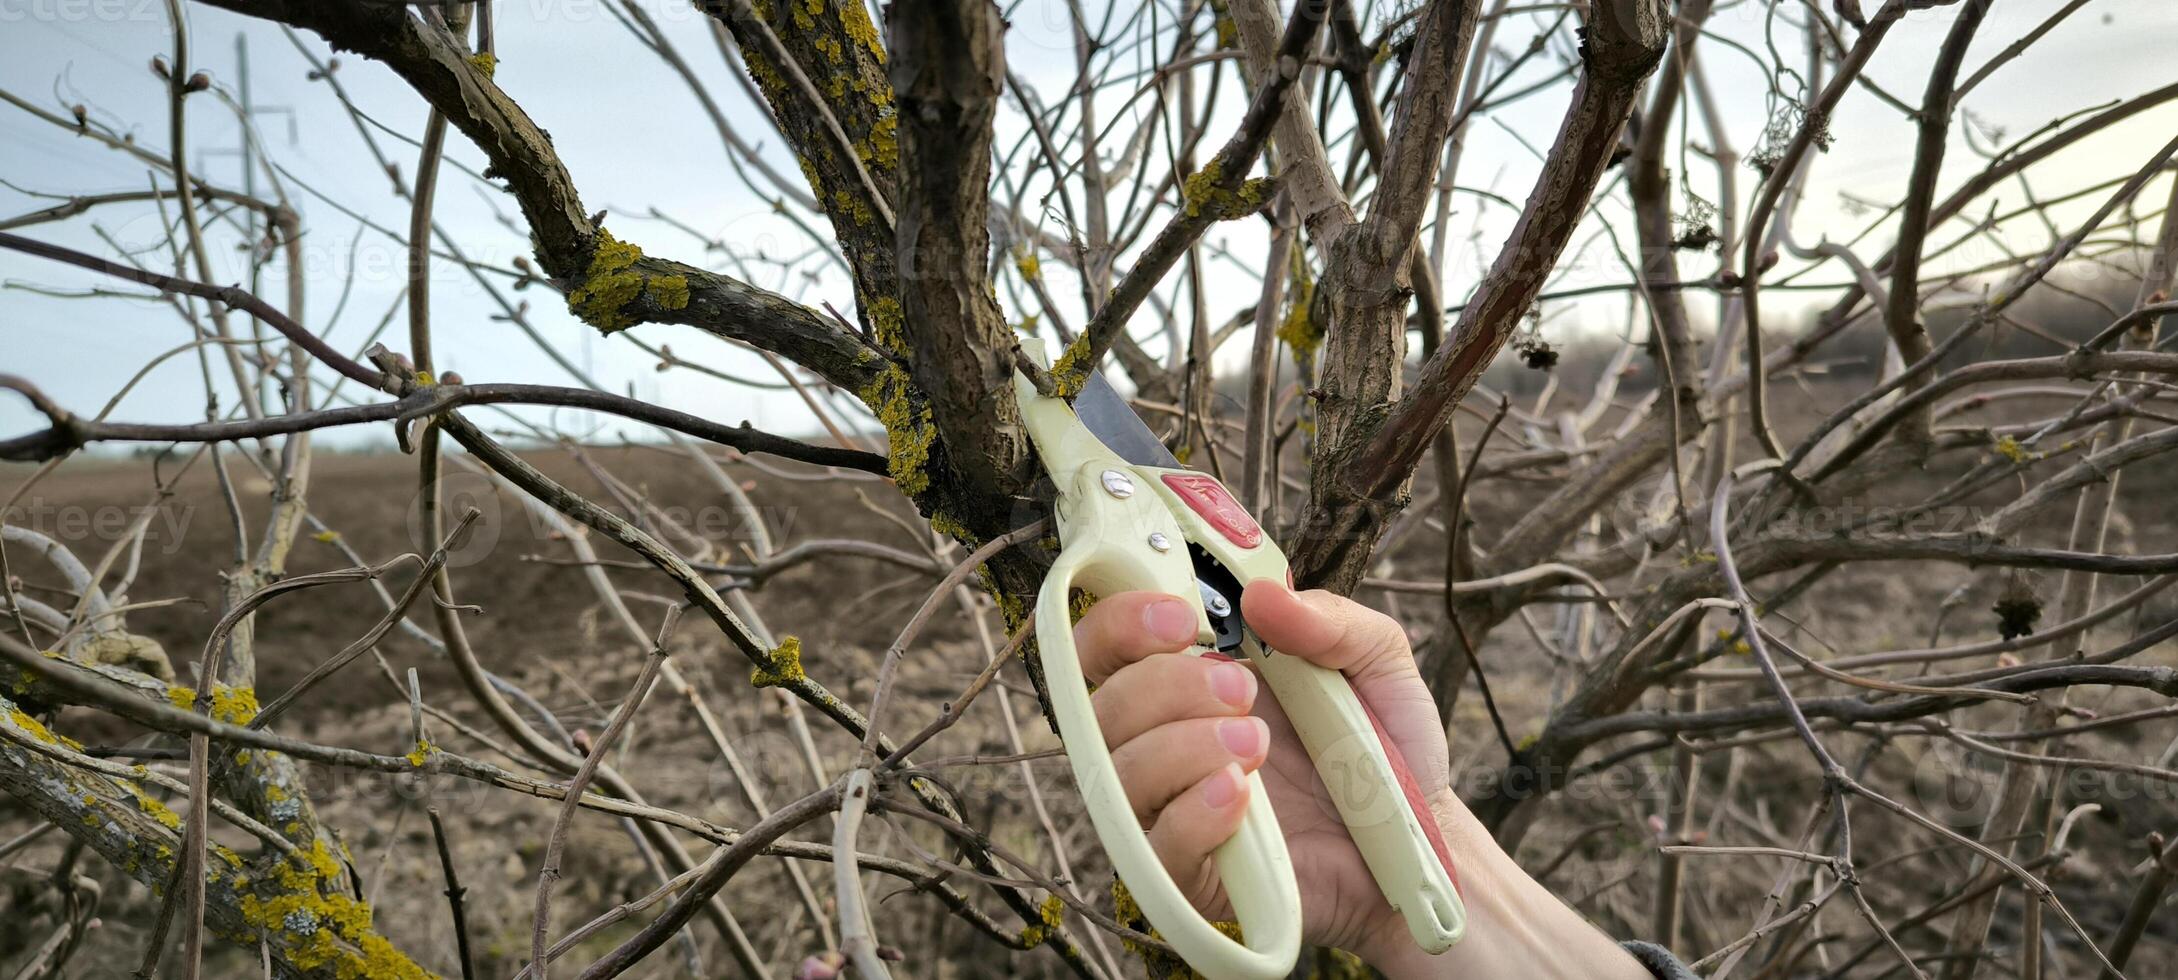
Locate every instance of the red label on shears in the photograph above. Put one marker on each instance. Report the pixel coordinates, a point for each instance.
(1209, 498)
(1412, 790)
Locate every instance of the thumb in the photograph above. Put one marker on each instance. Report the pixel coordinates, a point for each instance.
(1326, 629)
(1370, 648)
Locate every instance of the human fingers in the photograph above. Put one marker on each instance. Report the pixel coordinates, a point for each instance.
(1125, 627)
(1162, 763)
(1190, 828)
(1164, 688)
(1324, 628)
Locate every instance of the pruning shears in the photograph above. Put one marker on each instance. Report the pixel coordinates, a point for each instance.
(1131, 517)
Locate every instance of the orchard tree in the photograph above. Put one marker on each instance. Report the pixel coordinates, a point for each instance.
(1669, 525)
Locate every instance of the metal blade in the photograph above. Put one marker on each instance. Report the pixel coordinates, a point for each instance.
(1115, 424)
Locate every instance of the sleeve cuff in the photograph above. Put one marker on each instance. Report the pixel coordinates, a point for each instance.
(1659, 961)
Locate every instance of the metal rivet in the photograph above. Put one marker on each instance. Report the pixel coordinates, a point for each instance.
(1158, 541)
(1118, 484)
(1212, 599)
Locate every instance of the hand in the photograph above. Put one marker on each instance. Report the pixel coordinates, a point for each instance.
(1185, 731)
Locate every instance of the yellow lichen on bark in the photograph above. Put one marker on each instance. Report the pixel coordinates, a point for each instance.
(1203, 194)
(30, 726)
(908, 428)
(321, 927)
(234, 705)
(613, 281)
(1071, 370)
(164, 814)
(1158, 962)
(610, 284)
(1047, 915)
(669, 292)
(1299, 329)
(882, 149)
(785, 667)
(855, 21)
(945, 524)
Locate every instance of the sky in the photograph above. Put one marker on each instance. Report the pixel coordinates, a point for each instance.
(635, 141)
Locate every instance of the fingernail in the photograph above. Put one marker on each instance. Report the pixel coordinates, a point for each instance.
(1223, 787)
(1169, 620)
(1243, 737)
(1233, 684)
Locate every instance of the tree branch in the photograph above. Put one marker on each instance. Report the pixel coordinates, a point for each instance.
(948, 72)
(610, 284)
(1360, 481)
(70, 432)
(1220, 191)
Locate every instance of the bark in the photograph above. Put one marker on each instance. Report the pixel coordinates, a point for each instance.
(948, 71)
(1933, 131)
(834, 46)
(1365, 282)
(1361, 480)
(1303, 165)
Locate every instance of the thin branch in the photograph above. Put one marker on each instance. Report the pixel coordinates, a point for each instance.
(68, 432)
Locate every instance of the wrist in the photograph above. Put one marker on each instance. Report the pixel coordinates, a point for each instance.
(1515, 926)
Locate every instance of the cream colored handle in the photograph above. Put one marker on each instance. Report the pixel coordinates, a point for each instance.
(1376, 797)
(1253, 863)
